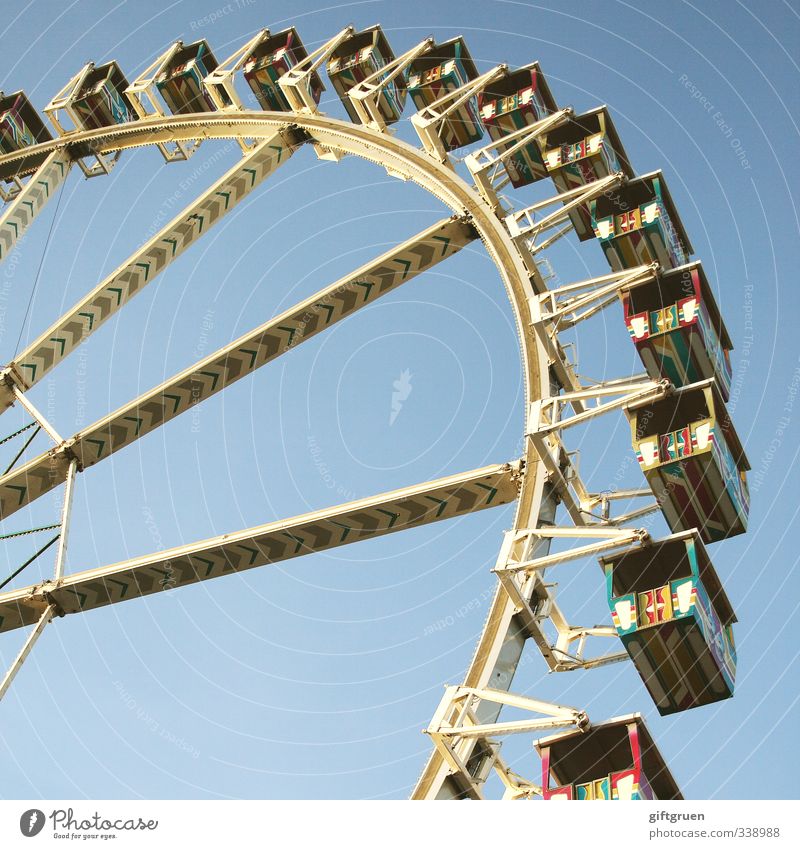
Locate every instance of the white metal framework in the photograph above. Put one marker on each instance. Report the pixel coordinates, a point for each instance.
(466, 724)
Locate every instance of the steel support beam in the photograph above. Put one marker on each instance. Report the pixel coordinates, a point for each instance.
(43, 619)
(233, 362)
(429, 120)
(364, 95)
(144, 265)
(399, 510)
(31, 199)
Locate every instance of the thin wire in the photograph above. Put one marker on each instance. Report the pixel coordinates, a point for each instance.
(41, 264)
(28, 562)
(23, 449)
(17, 433)
(30, 531)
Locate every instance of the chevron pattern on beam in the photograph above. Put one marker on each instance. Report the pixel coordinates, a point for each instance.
(40, 187)
(234, 361)
(32, 480)
(411, 507)
(270, 340)
(143, 266)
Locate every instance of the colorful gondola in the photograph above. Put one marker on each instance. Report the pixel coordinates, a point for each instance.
(269, 62)
(517, 100)
(614, 760)
(584, 149)
(357, 58)
(445, 68)
(20, 124)
(637, 224)
(675, 621)
(676, 326)
(180, 83)
(693, 460)
(101, 100)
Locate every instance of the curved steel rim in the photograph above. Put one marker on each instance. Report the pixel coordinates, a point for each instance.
(407, 162)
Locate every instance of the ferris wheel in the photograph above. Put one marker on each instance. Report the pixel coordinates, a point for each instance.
(667, 605)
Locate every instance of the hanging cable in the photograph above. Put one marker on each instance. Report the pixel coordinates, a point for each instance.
(30, 531)
(24, 447)
(17, 433)
(30, 560)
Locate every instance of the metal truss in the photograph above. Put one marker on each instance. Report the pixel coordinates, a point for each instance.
(141, 268)
(295, 83)
(63, 102)
(26, 198)
(146, 101)
(467, 744)
(524, 582)
(486, 164)
(509, 625)
(220, 83)
(45, 615)
(429, 121)
(365, 95)
(547, 422)
(322, 530)
(526, 225)
(525, 591)
(566, 306)
(230, 363)
(30, 199)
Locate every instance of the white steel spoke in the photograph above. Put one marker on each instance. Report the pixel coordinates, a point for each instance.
(144, 266)
(44, 618)
(233, 362)
(399, 510)
(31, 199)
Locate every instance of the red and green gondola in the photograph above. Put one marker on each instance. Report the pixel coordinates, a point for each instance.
(637, 224)
(615, 760)
(674, 619)
(693, 460)
(276, 55)
(357, 58)
(677, 328)
(519, 99)
(445, 68)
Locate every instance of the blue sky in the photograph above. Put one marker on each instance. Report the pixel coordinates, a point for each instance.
(314, 679)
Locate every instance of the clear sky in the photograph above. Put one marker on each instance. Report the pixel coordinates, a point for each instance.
(314, 679)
